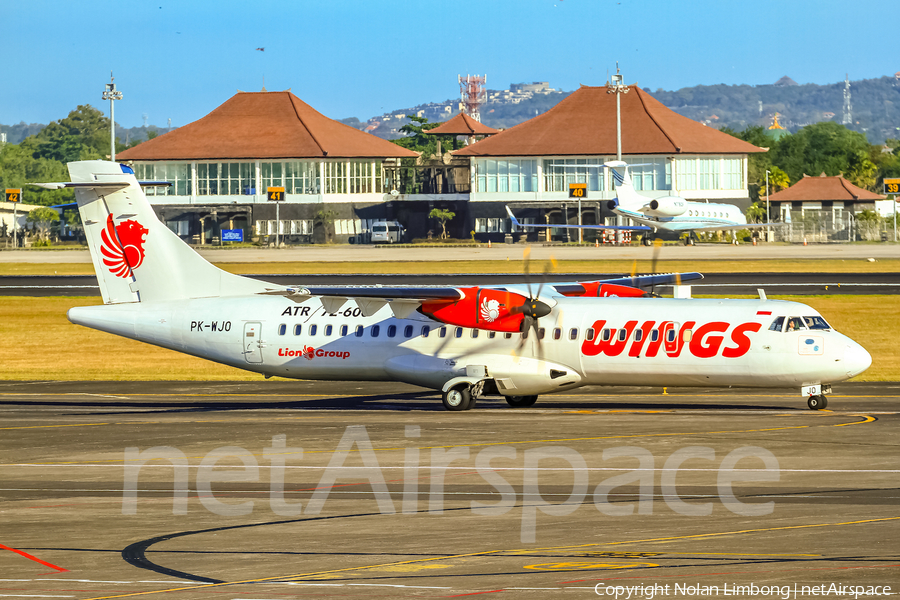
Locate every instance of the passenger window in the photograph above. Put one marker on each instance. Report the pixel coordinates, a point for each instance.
(623, 335)
(654, 335)
(605, 335)
(557, 333)
(816, 323)
(541, 332)
(443, 332)
(282, 329)
(328, 329)
(638, 335)
(298, 329)
(359, 330)
(375, 330)
(573, 334)
(474, 333)
(343, 330)
(492, 334)
(407, 331)
(459, 332)
(589, 334)
(777, 324)
(391, 331)
(686, 336)
(425, 330)
(312, 329)
(670, 335)
(507, 335)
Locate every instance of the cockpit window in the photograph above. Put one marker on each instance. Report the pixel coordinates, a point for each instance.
(816, 322)
(777, 324)
(795, 324)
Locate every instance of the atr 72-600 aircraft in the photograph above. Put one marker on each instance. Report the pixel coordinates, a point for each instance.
(464, 341)
(669, 213)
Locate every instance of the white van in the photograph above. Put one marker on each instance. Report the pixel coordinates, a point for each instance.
(386, 232)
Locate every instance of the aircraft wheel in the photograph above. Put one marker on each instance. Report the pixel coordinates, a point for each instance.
(817, 402)
(458, 398)
(521, 401)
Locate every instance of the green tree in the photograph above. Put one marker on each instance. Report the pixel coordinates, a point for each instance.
(83, 135)
(443, 216)
(43, 219)
(825, 147)
(419, 140)
(19, 167)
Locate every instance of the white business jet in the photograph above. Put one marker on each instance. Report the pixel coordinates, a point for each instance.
(669, 213)
(464, 341)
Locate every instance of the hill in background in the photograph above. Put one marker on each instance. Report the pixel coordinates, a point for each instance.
(875, 109)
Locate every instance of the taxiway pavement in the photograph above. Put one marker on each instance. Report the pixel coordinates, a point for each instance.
(393, 497)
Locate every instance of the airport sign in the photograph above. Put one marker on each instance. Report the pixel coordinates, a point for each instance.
(275, 194)
(891, 185)
(577, 190)
(13, 194)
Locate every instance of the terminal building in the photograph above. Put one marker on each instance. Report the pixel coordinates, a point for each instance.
(338, 180)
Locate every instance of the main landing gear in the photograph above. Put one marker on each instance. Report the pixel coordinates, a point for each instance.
(458, 398)
(521, 401)
(463, 396)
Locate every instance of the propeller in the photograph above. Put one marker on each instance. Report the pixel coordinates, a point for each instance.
(533, 308)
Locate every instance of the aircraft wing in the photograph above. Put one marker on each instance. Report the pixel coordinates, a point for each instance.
(638, 281)
(565, 226)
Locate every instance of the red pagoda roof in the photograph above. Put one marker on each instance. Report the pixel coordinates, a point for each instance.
(584, 123)
(463, 124)
(266, 125)
(816, 189)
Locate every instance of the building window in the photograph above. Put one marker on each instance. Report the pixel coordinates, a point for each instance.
(687, 173)
(226, 179)
(335, 178)
(559, 173)
(297, 177)
(514, 175)
(178, 174)
(492, 225)
(732, 173)
(709, 173)
(355, 177)
(650, 173)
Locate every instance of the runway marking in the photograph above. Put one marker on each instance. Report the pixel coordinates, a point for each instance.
(51, 426)
(34, 558)
(117, 462)
(585, 566)
(496, 552)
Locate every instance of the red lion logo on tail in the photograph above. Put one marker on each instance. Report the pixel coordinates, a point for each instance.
(122, 246)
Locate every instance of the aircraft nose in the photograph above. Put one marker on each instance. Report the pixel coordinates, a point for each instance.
(856, 359)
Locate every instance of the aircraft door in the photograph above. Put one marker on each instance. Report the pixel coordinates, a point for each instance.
(253, 343)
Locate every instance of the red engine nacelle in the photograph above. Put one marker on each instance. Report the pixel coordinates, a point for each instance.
(595, 289)
(480, 308)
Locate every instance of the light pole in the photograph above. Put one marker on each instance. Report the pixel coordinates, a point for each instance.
(768, 221)
(110, 93)
(618, 88)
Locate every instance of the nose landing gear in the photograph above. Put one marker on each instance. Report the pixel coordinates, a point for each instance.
(817, 402)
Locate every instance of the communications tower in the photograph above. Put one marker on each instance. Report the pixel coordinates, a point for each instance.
(472, 94)
(848, 117)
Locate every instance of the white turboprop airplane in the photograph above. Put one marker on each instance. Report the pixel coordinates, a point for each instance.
(670, 213)
(464, 341)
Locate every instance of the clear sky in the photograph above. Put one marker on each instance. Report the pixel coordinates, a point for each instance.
(360, 58)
